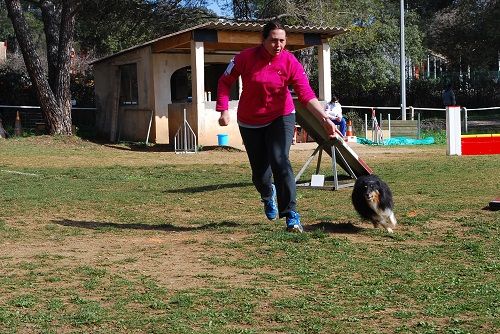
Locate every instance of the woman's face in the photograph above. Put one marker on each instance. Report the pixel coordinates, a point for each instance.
(275, 42)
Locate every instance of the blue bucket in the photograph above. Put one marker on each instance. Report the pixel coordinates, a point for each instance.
(223, 139)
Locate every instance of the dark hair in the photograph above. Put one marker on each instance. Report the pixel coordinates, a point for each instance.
(270, 26)
(334, 98)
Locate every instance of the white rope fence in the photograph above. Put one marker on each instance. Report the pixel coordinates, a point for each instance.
(412, 110)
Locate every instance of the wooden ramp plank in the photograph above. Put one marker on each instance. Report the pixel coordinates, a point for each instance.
(315, 130)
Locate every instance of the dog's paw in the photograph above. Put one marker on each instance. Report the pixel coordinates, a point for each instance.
(389, 230)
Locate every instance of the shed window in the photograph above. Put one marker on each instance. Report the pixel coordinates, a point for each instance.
(128, 89)
(180, 82)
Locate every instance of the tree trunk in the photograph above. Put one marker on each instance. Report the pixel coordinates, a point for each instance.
(51, 15)
(55, 105)
(63, 79)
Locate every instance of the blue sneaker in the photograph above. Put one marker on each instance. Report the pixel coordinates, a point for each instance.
(293, 222)
(270, 207)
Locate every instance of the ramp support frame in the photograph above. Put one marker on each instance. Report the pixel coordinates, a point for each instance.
(328, 185)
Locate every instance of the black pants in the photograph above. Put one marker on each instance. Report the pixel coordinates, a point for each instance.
(268, 150)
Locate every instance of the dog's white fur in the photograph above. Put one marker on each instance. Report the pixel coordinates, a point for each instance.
(385, 217)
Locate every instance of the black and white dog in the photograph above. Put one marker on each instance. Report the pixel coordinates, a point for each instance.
(372, 199)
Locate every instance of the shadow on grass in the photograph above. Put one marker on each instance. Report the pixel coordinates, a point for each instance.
(210, 187)
(338, 228)
(221, 148)
(163, 227)
(143, 147)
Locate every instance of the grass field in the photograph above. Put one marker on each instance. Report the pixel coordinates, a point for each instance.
(118, 239)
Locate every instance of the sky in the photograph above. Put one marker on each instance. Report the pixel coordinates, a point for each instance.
(212, 5)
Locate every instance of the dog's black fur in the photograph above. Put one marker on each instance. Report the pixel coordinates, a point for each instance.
(372, 199)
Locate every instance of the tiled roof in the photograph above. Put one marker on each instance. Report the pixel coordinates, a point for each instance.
(253, 26)
(237, 26)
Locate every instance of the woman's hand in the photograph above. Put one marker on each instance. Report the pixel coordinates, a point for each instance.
(317, 110)
(224, 118)
(329, 127)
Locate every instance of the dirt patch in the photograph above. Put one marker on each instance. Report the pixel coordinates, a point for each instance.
(178, 260)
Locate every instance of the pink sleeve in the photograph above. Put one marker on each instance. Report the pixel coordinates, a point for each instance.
(227, 79)
(300, 82)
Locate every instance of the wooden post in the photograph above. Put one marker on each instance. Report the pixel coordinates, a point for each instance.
(198, 85)
(453, 131)
(324, 72)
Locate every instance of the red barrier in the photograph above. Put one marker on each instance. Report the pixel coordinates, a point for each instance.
(480, 144)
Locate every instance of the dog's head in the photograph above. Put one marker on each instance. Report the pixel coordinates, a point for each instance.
(372, 191)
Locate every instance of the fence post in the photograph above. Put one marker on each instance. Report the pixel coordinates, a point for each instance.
(466, 127)
(373, 125)
(418, 125)
(389, 120)
(366, 126)
(453, 131)
(185, 130)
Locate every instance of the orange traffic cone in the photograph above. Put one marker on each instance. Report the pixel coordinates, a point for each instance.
(349, 132)
(17, 125)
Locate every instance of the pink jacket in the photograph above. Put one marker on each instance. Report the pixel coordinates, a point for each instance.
(265, 94)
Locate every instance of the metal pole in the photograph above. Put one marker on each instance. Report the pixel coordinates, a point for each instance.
(334, 167)
(428, 67)
(402, 65)
(149, 127)
(185, 132)
(418, 126)
(373, 128)
(366, 126)
(318, 164)
(389, 120)
(299, 174)
(498, 73)
(435, 68)
(466, 120)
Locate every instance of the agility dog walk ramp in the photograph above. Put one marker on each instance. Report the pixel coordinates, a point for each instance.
(336, 148)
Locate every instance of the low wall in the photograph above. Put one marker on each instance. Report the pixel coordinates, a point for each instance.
(204, 124)
(209, 126)
(133, 124)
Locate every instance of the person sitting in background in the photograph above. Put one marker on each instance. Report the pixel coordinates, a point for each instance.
(334, 111)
